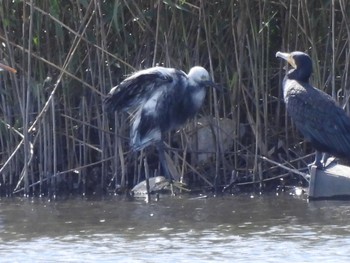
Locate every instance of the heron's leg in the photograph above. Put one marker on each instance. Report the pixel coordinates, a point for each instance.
(161, 154)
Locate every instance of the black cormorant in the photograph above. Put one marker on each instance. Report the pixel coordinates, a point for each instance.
(162, 99)
(315, 114)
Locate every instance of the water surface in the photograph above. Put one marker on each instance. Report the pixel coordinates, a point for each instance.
(175, 229)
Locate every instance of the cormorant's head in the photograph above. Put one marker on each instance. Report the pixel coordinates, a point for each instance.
(200, 76)
(301, 63)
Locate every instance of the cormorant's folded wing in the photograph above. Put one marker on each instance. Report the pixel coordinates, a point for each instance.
(322, 122)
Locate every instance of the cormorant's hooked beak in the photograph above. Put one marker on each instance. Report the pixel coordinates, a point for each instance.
(287, 57)
(7, 68)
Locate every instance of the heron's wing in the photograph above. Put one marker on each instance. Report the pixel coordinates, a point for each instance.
(320, 120)
(137, 88)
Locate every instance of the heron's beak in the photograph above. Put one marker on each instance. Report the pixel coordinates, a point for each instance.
(287, 57)
(7, 68)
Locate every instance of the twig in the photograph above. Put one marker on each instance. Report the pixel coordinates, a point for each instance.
(304, 175)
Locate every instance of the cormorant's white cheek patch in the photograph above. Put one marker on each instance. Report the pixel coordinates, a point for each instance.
(291, 61)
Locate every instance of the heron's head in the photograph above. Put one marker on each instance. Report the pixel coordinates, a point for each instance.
(200, 76)
(301, 63)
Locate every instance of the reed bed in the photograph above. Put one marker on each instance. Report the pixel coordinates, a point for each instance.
(55, 138)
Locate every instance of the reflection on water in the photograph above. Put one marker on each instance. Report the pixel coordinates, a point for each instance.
(175, 229)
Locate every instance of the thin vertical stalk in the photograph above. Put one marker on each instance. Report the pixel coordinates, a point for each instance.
(159, 6)
(28, 101)
(54, 142)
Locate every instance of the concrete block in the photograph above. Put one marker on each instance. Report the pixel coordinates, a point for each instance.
(331, 183)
